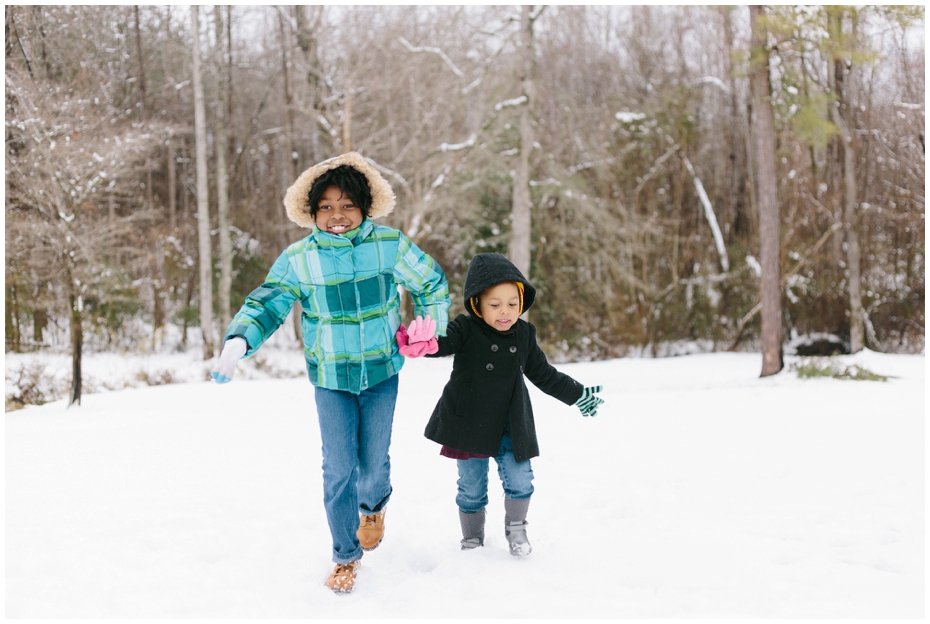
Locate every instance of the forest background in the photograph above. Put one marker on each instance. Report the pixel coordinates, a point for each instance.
(610, 150)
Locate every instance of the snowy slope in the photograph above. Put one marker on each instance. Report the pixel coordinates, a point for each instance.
(699, 491)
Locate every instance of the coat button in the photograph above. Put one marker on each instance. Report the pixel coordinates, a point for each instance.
(493, 347)
(513, 349)
(490, 367)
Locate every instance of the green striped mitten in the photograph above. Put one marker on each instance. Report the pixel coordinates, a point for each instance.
(588, 402)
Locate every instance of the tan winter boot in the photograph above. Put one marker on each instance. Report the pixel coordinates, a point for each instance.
(342, 580)
(371, 530)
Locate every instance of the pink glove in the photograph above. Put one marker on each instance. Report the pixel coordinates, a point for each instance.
(419, 340)
(401, 336)
(421, 329)
(416, 349)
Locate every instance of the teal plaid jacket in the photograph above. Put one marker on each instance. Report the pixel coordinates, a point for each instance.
(347, 289)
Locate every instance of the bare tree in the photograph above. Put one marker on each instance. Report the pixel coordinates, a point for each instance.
(595, 141)
(841, 113)
(521, 223)
(306, 36)
(63, 158)
(222, 186)
(763, 128)
(143, 111)
(203, 198)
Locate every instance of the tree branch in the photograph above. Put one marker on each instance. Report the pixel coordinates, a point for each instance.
(438, 51)
(784, 280)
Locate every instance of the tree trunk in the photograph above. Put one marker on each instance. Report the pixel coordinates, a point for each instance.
(764, 131)
(77, 343)
(172, 186)
(185, 195)
(737, 206)
(39, 323)
(12, 319)
(203, 199)
(291, 156)
(158, 293)
(222, 186)
(347, 123)
(521, 221)
(143, 112)
(843, 87)
(188, 298)
(288, 101)
(11, 309)
(76, 305)
(9, 38)
(306, 40)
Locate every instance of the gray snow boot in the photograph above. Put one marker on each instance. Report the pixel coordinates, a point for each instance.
(515, 526)
(472, 528)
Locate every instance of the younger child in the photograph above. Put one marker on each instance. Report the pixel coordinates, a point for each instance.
(485, 408)
(345, 276)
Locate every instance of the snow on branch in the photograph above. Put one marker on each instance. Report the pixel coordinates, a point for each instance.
(580, 167)
(714, 81)
(488, 62)
(389, 172)
(473, 84)
(414, 228)
(629, 117)
(458, 72)
(591, 164)
(325, 123)
(711, 217)
(454, 147)
(514, 102)
(291, 22)
(741, 326)
(654, 168)
(440, 179)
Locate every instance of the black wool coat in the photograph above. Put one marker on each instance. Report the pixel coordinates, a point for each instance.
(487, 387)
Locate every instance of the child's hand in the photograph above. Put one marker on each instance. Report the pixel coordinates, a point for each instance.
(419, 339)
(401, 336)
(225, 367)
(588, 402)
(422, 329)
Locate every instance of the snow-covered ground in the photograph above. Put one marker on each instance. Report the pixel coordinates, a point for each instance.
(699, 491)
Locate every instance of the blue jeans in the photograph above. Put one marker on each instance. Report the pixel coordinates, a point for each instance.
(516, 477)
(356, 434)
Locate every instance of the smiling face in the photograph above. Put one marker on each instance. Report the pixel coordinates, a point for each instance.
(500, 306)
(336, 212)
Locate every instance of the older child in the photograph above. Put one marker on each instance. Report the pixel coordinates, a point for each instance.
(485, 408)
(345, 276)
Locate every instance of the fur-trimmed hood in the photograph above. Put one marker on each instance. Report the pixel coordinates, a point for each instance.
(295, 201)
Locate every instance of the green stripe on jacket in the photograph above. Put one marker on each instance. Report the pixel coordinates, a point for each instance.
(347, 289)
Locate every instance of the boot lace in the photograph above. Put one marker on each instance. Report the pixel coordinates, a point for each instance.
(344, 575)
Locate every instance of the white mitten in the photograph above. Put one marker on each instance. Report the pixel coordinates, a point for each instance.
(225, 367)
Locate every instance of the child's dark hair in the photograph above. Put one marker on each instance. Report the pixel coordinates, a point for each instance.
(351, 181)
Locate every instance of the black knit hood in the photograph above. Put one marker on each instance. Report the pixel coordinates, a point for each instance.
(489, 269)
